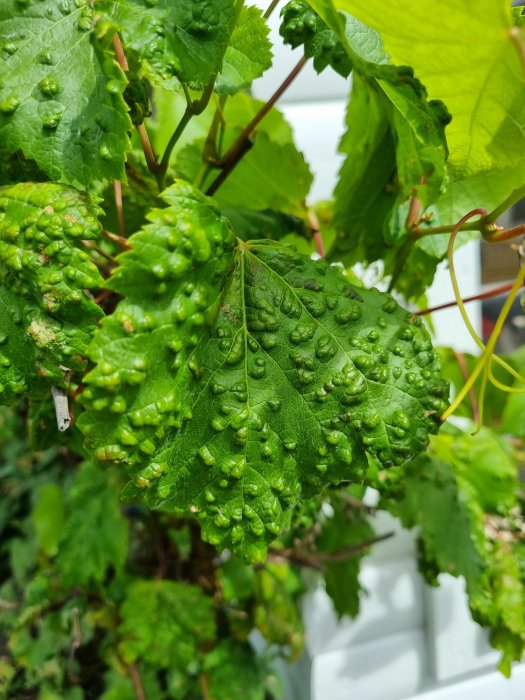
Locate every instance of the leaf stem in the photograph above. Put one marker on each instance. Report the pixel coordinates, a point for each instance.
(193, 109)
(242, 144)
(151, 158)
(149, 153)
(317, 236)
(136, 679)
(419, 232)
(514, 197)
(117, 188)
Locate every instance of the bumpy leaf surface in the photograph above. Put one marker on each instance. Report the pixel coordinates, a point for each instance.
(61, 99)
(46, 319)
(184, 39)
(163, 623)
(246, 376)
(248, 55)
(302, 26)
(463, 486)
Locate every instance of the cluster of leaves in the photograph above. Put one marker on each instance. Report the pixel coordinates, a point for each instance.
(243, 387)
(99, 598)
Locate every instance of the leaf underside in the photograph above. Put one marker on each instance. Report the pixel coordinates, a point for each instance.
(237, 402)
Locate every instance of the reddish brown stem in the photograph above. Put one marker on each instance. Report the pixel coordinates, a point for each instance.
(242, 144)
(502, 235)
(120, 240)
(317, 235)
(117, 187)
(119, 53)
(477, 297)
(136, 679)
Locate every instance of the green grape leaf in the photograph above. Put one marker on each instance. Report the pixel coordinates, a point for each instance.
(487, 127)
(271, 175)
(248, 55)
(70, 100)
(365, 193)
(469, 486)
(184, 39)
(47, 319)
(95, 534)
(348, 527)
(302, 26)
(243, 377)
(235, 671)
(276, 611)
(267, 223)
(164, 623)
(48, 517)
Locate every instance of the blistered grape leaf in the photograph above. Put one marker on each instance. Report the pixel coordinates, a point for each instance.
(95, 533)
(464, 486)
(266, 223)
(184, 39)
(61, 99)
(240, 377)
(164, 623)
(301, 26)
(346, 528)
(248, 55)
(47, 319)
(487, 127)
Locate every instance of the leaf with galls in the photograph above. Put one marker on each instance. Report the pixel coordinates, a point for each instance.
(242, 377)
(61, 91)
(46, 318)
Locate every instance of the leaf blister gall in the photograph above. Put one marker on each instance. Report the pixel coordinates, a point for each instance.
(297, 411)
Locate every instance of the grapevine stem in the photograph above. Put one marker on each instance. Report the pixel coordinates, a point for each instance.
(271, 8)
(149, 153)
(477, 297)
(193, 109)
(317, 235)
(117, 187)
(242, 144)
(151, 158)
(120, 240)
(136, 679)
(489, 349)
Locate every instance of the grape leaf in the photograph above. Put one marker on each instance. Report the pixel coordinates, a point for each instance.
(248, 55)
(67, 113)
(266, 223)
(164, 623)
(235, 671)
(184, 39)
(346, 528)
(280, 172)
(487, 128)
(93, 506)
(365, 193)
(242, 395)
(302, 26)
(464, 485)
(47, 319)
